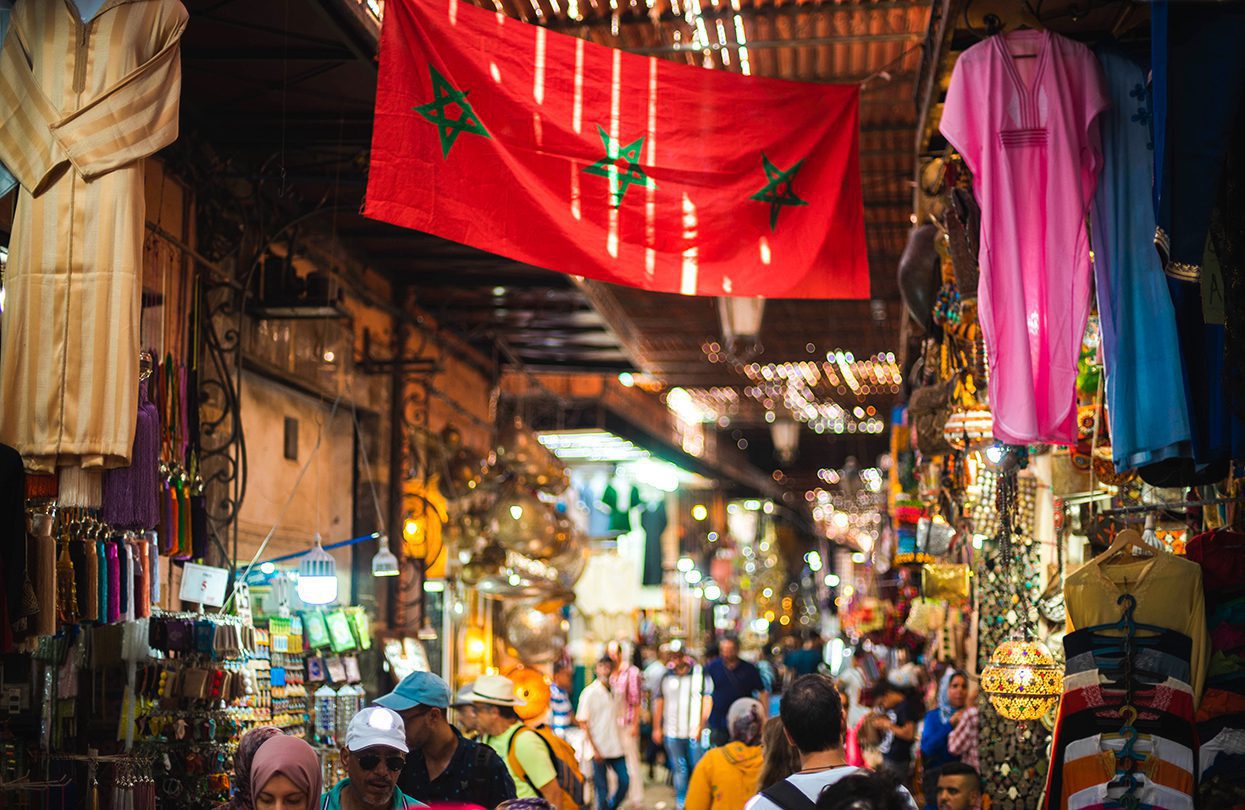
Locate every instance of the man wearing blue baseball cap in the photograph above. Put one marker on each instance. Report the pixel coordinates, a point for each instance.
(443, 766)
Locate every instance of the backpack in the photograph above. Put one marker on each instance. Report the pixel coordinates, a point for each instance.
(565, 762)
(788, 797)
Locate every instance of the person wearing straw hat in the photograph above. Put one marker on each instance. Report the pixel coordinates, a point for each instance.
(499, 724)
(465, 712)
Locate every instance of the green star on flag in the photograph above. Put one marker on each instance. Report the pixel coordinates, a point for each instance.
(778, 191)
(444, 97)
(607, 166)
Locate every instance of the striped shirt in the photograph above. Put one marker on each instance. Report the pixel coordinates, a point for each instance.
(625, 685)
(84, 103)
(559, 708)
(683, 697)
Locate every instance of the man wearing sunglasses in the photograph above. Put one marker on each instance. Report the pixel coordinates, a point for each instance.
(443, 767)
(373, 756)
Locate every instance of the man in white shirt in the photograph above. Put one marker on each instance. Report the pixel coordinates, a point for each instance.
(681, 708)
(598, 717)
(812, 718)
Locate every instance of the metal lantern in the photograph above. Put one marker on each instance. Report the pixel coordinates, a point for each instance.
(971, 429)
(1023, 681)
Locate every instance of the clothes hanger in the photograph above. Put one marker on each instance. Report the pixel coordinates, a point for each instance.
(1125, 623)
(1126, 540)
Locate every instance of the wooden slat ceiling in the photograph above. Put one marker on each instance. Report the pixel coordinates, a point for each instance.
(296, 79)
(284, 90)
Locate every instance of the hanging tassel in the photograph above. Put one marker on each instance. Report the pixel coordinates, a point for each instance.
(184, 550)
(130, 494)
(66, 588)
(81, 488)
(198, 526)
(45, 574)
(168, 519)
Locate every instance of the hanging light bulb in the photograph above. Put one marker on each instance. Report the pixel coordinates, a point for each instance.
(385, 563)
(317, 576)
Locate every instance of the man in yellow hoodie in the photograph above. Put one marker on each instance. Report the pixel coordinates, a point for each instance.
(726, 777)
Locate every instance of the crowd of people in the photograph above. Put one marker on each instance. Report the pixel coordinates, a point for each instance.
(860, 739)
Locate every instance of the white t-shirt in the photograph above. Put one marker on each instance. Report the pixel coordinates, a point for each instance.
(683, 706)
(598, 710)
(811, 785)
(853, 684)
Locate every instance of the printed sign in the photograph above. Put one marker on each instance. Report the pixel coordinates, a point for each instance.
(204, 584)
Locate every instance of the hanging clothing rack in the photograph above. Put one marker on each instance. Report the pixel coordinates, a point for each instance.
(1167, 505)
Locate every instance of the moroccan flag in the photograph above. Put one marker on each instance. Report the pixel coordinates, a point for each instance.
(567, 155)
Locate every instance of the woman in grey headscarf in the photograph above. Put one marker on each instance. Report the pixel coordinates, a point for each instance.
(726, 777)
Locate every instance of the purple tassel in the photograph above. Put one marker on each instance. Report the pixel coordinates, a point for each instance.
(130, 493)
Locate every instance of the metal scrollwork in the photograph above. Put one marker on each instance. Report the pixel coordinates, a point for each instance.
(222, 442)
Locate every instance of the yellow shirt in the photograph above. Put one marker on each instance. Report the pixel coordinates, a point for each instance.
(725, 778)
(1169, 595)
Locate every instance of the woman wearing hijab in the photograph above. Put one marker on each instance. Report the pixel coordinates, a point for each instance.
(936, 733)
(247, 746)
(726, 777)
(285, 775)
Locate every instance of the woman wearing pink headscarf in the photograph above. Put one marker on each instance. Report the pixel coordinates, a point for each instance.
(285, 775)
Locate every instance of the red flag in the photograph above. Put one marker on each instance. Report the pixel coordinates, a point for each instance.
(586, 160)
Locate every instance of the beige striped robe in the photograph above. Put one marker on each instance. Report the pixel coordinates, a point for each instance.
(81, 105)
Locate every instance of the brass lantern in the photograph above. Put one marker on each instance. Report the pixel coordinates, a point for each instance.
(1023, 681)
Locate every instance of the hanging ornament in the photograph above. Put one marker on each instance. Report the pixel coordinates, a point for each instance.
(485, 563)
(426, 514)
(537, 636)
(1023, 680)
(520, 522)
(531, 687)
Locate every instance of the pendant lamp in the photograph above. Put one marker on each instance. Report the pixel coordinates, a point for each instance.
(1023, 681)
(317, 576)
(385, 563)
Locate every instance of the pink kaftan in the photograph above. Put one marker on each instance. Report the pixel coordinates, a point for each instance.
(1027, 130)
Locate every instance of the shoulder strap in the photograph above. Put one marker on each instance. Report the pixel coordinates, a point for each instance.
(788, 797)
(513, 757)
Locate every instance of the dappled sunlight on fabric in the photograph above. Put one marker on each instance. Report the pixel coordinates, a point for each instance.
(538, 78)
(650, 158)
(611, 242)
(577, 106)
(691, 253)
(763, 244)
(453, 12)
(577, 210)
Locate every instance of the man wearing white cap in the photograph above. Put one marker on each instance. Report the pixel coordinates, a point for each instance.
(531, 765)
(373, 756)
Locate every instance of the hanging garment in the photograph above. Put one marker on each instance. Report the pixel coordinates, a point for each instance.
(1168, 590)
(1027, 129)
(7, 181)
(653, 520)
(1145, 387)
(619, 499)
(1122, 670)
(85, 103)
(13, 531)
(1199, 82)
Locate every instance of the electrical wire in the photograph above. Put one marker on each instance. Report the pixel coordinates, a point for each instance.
(288, 501)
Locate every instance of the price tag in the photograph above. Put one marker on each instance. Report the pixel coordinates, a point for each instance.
(203, 584)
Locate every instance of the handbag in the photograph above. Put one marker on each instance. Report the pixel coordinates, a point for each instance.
(928, 410)
(947, 581)
(933, 537)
